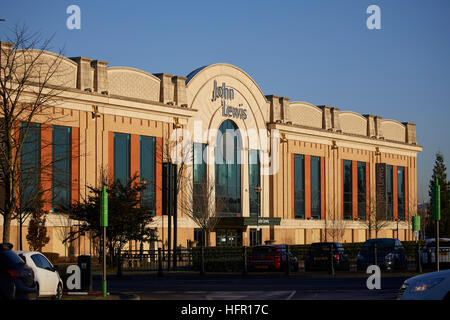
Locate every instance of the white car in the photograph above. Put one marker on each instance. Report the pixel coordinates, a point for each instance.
(429, 286)
(429, 251)
(46, 275)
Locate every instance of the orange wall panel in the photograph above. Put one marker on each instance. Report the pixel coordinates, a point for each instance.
(342, 189)
(367, 190)
(322, 187)
(406, 194)
(111, 155)
(292, 187)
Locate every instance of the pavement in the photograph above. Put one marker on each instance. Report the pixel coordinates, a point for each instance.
(261, 286)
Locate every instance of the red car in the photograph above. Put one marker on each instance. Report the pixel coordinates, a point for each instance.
(271, 257)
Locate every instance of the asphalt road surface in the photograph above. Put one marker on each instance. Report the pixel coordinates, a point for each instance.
(254, 287)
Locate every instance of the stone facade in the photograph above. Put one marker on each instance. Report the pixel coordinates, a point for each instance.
(138, 103)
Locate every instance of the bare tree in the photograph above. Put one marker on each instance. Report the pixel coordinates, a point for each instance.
(376, 221)
(335, 229)
(200, 202)
(31, 81)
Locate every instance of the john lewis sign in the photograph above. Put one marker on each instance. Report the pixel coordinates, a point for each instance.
(227, 94)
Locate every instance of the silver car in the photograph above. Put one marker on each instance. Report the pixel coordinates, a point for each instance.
(429, 286)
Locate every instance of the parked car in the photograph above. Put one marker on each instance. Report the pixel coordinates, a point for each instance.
(390, 254)
(46, 275)
(429, 286)
(428, 253)
(272, 256)
(16, 278)
(318, 257)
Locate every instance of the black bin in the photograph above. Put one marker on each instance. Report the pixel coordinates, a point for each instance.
(85, 264)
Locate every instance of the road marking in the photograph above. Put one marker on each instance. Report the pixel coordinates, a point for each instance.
(250, 295)
(291, 295)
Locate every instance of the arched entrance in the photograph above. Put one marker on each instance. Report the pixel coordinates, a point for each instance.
(228, 170)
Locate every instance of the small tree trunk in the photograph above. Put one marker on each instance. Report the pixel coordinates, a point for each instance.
(20, 232)
(6, 228)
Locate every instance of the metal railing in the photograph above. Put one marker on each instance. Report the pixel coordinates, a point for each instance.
(236, 259)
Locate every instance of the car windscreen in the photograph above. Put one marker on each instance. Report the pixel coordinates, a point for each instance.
(264, 250)
(442, 244)
(9, 259)
(381, 244)
(320, 248)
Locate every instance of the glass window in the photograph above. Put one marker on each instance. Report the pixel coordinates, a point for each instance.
(198, 236)
(199, 175)
(254, 183)
(255, 237)
(228, 237)
(61, 173)
(30, 163)
(41, 262)
(401, 193)
(389, 193)
(228, 169)
(361, 169)
(315, 188)
(348, 194)
(299, 186)
(148, 172)
(121, 157)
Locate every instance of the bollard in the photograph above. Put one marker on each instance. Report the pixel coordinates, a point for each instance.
(202, 261)
(119, 263)
(418, 259)
(245, 266)
(160, 268)
(331, 261)
(375, 259)
(288, 264)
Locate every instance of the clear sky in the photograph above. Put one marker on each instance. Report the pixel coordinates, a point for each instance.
(319, 51)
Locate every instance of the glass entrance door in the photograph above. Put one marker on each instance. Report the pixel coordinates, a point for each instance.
(228, 238)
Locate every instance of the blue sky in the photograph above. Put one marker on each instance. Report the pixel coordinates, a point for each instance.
(319, 51)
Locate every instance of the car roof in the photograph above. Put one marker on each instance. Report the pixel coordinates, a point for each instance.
(317, 243)
(434, 239)
(381, 239)
(270, 245)
(430, 275)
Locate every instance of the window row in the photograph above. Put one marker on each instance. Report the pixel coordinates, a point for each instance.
(33, 171)
(147, 165)
(356, 203)
(307, 171)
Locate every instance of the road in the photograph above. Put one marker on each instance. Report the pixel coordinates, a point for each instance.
(254, 287)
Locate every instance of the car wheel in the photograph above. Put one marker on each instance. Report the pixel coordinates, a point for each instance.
(59, 292)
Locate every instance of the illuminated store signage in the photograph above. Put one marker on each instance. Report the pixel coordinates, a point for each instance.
(227, 94)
